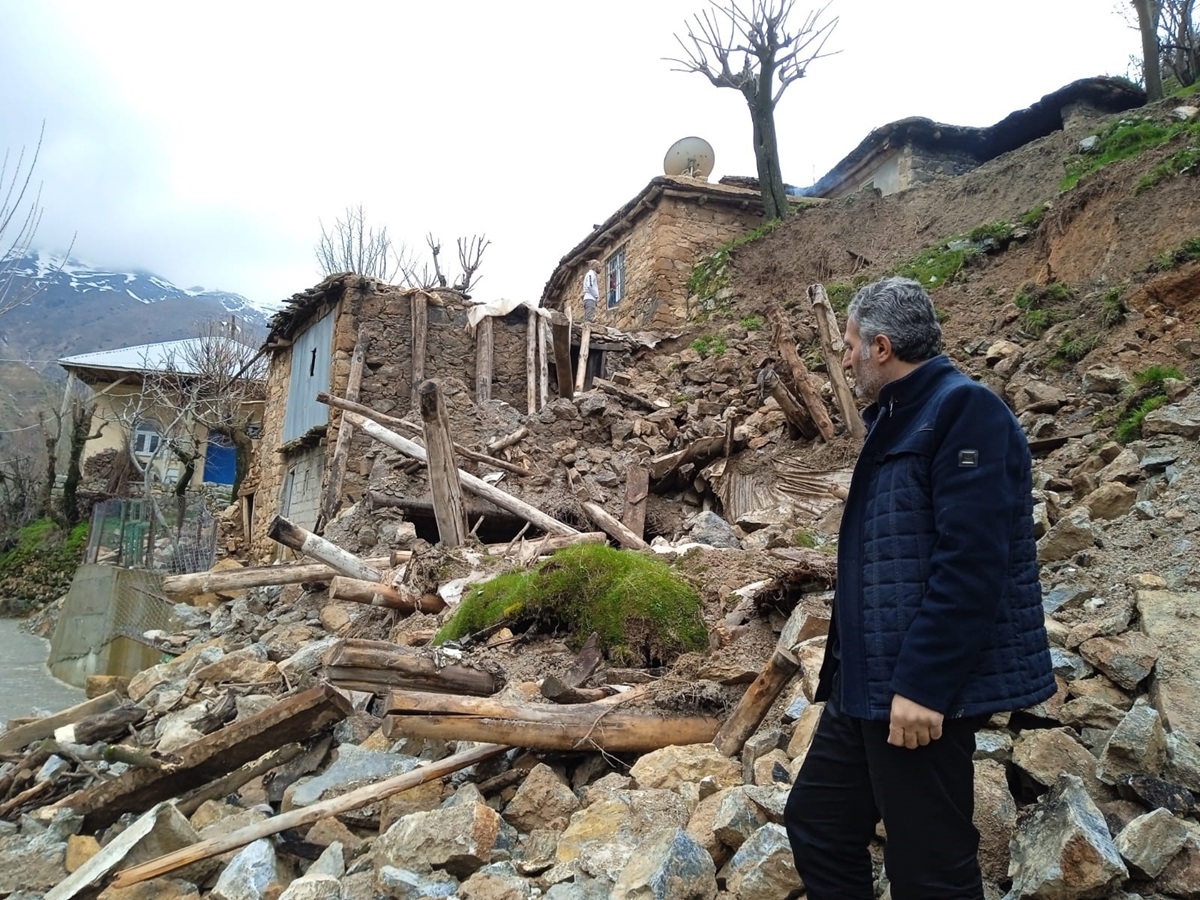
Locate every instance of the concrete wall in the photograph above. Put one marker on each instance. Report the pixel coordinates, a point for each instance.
(104, 605)
(661, 250)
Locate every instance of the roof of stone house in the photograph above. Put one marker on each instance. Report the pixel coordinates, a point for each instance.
(301, 307)
(643, 201)
(1107, 95)
(141, 358)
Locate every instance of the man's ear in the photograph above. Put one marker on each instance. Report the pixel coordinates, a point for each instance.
(881, 347)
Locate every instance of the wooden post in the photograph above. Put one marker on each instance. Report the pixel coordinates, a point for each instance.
(833, 349)
(337, 470)
(792, 409)
(304, 541)
(637, 489)
(24, 735)
(212, 582)
(562, 358)
(612, 525)
(483, 360)
(543, 362)
(531, 369)
(785, 343)
(755, 703)
(379, 594)
(585, 343)
(306, 815)
(475, 485)
(420, 325)
(443, 469)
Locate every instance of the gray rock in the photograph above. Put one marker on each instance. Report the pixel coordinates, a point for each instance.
(1066, 537)
(668, 866)
(602, 837)
(1045, 754)
(1137, 746)
(1183, 761)
(542, 801)
(737, 818)
(763, 868)
(996, 745)
(1151, 841)
(1181, 418)
(307, 659)
(332, 861)
(670, 766)
(498, 881)
(401, 884)
(313, 887)
(459, 839)
(1069, 665)
(1125, 658)
(707, 527)
(1103, 379)
(1063, 850)
(1089, 144)
(1090, 712)
(34, 863)
(1066, 596)
(1170, 621)
(580, 889)
(1145, 510)
(249, 874)
(353, 764)
(1183, 113)
(995, 818)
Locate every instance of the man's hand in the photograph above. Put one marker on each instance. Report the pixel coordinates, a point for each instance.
(913, 725)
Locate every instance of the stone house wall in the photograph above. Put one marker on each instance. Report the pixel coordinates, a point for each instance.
(661, 250)
(384, 317)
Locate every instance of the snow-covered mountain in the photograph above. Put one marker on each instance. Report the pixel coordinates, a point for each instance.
(77, 308)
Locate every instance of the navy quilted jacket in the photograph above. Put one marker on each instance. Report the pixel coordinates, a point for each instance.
(938, 597)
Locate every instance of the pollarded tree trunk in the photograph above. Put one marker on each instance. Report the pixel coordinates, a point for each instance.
(1148, 14)
(766, 145)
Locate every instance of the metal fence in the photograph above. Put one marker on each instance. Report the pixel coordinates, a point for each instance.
(162, 537)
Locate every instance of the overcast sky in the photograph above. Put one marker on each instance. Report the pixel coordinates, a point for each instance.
(204, 142)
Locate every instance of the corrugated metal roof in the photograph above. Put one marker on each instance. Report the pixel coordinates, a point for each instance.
(142, 358)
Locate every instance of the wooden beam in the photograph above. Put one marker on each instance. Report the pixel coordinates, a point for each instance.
(785, 345)
(531, 370)
(475, 485)
(337, 470)
(612, 525)
(562, 360)
(625, 394)
(543, 363)
(793, 410)
(382, 665)
(212, 582)
(414, 430)
(223, 787)
(755, 703)
(507, 441)
(637, 490)
(585, 342)
(420, 326)
(24, 735)
(443, 468)
(700, 450)
(304, 541)
(306, 815)
(833, 350)
(294, 718)
(379, 594)
(483, 360)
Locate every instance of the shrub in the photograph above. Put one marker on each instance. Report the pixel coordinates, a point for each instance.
(1032, 219)
(1154, 376)
(1112, 308)
(752, 323)
(709, 345)
(1130, 427)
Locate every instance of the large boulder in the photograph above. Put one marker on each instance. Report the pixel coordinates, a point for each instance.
(1170, 621)
(668, 866)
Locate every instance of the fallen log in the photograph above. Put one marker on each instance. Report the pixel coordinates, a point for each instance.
(24, 735)
(556, 690)
(304, 816)
(414, 431)
(101, 726)
(294, 718)
(379, 594)
(261, 576)
(833, 349)
(377, 666)
(613, 526)
(470, 482)
(791, 408)
(304, 541)
(542, 726)
(699, 451)
(508, 440)
(785, 343)
(222, 787)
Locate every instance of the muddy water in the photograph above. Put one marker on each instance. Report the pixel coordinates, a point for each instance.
(26, 685)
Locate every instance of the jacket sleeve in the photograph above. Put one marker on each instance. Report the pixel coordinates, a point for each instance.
(980, 473)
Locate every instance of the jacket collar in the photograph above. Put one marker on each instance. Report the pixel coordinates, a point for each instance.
(913, 386)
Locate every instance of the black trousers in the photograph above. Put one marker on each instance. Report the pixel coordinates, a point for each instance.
(852, 778)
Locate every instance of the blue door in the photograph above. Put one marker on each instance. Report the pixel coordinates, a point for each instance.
(220, 460)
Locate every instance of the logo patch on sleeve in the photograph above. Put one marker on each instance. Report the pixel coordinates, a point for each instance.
(968, 459)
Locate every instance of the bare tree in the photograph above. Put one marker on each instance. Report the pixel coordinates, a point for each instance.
(353, 246)
(470, 255)
(759, 55)
(1148, 15)
(1170, 43)
(470, 252)
(20, 215)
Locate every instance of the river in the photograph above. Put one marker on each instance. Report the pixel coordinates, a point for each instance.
(26, 685)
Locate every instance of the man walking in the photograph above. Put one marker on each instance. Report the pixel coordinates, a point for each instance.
(937, 619)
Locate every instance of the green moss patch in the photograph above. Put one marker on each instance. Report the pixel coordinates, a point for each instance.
(643, 612)
(38, 564)
(1122, 140)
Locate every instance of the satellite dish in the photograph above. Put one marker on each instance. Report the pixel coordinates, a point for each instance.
(690, 156)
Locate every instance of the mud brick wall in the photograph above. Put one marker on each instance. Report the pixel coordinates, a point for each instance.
(660, 251)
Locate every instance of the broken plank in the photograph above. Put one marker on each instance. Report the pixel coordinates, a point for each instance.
(625, 394)
(295, 818)
(442, 466)
(833, 349)
(261, 576)
(637, 489)
(784, 342)
(294, 718)
(24, 735)
(226, 785)
(753, 707)
(614, 527)
(699, 451)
